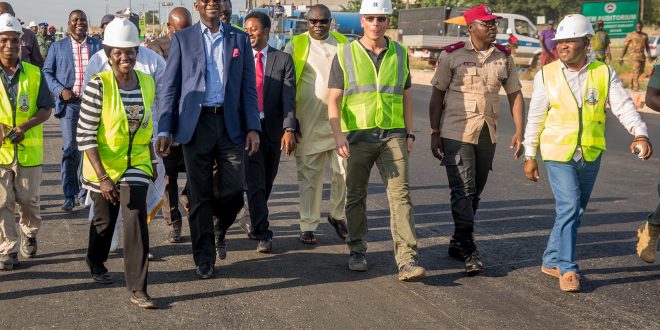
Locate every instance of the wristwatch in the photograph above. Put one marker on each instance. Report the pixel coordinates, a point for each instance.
(529, 158)
(410, 136)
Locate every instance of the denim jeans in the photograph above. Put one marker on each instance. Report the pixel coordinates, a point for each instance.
(71, 156)
(572, 183)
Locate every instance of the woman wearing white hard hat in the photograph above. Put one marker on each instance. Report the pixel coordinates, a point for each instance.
(567, 121)
(114, 131)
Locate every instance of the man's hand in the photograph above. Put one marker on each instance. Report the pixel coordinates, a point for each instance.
(288, 143)
(409, 142)
(532, 170)
(436, 146)
(341, 146)
(109, 191)
(163, 146)
(516, 145)
(67, 94)
(252, 143)
(646, 149)
(21, 134)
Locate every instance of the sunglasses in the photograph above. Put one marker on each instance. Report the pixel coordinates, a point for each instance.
(488, 24)
(323, 21)
(380, 19)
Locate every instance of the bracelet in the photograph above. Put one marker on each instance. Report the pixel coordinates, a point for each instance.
(154, 161)
(289, 130)
(104, 177)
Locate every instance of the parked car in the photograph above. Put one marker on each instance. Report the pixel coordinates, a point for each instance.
(654, 46)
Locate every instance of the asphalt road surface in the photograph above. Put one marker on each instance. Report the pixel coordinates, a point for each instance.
(298, 286)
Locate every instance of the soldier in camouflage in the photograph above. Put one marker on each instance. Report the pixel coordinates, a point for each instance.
(637, 41)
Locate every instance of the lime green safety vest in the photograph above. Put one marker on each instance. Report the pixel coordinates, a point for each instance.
(301, 49)
(568, 126)
(238, 27)
(31, 150)
(118, 151)
(372, 98)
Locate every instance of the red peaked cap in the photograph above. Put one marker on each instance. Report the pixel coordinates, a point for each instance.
(479, 13)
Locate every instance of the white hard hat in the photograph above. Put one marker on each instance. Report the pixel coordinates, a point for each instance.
(574, 26)
(121, 33)
(9, 23)
(32, 24)
(376, 7)
(509, 31)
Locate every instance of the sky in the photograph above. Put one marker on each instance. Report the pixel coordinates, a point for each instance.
(56, 12)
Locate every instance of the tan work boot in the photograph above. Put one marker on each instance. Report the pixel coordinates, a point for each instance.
(648, 242)
(569, 282)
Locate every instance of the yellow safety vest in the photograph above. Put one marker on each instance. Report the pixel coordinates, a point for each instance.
(31, 150)
(238, 27)
(372, 98)
(118, 151)
(301, 50)
(568, 125)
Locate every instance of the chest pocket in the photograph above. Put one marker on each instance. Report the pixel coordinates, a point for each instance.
(496, 74)
(468, 77)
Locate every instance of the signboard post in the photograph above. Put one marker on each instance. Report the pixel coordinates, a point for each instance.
(619, 17)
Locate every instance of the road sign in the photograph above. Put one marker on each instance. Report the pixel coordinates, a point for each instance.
(143, 26)
(167, 4)
(619, 17)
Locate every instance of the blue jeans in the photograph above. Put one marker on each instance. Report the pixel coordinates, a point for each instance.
(71, 156)
(572, 183)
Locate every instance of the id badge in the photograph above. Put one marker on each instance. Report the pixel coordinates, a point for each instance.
(472, 71)
(24, 102)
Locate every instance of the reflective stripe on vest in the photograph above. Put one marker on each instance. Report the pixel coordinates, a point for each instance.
(372, 98)
(31, 149)
(566, 124)
(238, 27)
(301, 50)
(117, 150)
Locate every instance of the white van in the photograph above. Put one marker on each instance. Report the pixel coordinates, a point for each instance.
(529, 46)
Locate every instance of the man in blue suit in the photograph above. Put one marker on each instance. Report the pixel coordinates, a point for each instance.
(209, 105)
(64, 71)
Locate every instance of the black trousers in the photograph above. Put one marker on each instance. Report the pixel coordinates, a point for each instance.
(467, 168)
(260, 172)
(133, 206)
(174, 164)
(210, 144)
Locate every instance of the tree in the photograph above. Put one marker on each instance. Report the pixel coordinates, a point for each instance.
(151, 17)
(353, 6)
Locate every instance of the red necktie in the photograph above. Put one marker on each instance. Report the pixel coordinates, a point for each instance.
(260, 82)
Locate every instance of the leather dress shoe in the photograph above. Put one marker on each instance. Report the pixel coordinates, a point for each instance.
(69, 204)
(246, 225)
(265, 246)
(205, 271)
(220, 248)
(340, 227)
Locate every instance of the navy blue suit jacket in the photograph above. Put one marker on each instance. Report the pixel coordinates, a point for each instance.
(59, 69)
(182, 90)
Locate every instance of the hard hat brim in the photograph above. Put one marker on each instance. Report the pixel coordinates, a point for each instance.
(121, 44)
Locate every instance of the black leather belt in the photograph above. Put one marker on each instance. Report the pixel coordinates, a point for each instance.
(213, 110)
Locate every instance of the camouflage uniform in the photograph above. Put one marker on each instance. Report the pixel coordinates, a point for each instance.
(636, 43)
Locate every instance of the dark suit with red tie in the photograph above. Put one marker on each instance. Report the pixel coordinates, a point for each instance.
(277, 103)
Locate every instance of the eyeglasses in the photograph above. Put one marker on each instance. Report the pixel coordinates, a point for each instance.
(489, 24)
(323, 21)
(380, 19)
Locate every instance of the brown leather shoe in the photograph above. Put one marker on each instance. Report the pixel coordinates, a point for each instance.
(647, 245)
(554, 272)
(569, 282)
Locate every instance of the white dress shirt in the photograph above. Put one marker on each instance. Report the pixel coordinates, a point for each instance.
(263, 60)
(621, 105)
